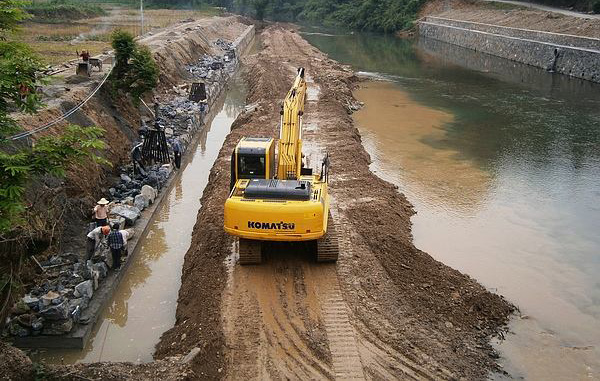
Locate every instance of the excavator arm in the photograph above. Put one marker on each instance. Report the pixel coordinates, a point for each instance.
(290, 135)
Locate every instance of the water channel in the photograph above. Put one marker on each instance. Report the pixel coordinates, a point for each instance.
(145, 302)
(502, 164)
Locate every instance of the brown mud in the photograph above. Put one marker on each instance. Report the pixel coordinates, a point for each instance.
(386, 310)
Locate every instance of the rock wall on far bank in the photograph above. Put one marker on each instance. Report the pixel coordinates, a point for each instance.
(570, 55)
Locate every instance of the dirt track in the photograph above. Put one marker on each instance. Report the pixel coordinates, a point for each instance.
(387, 310)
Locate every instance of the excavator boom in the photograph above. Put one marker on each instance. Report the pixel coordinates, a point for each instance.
(290, 138)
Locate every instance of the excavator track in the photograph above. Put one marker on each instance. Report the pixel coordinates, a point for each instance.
(250, 252)
(328, 247)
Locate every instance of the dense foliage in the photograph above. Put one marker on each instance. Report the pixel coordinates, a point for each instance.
(50, 155)
(135, 70)
(18, 91)
(373, 15)
(63, 10)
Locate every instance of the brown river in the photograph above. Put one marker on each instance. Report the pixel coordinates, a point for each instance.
(502, 164)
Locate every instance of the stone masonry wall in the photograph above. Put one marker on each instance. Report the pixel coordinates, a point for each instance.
(510, 43)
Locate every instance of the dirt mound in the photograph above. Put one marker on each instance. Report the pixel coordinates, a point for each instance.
(15, 365)
(387, 310)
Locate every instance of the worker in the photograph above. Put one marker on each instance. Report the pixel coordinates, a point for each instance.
(93, 239)
(137, 158)
(85, 55)
(117, 241)
(177, 152)
(101, 212)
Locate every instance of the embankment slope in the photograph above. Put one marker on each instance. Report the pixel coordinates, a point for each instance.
(410, 316)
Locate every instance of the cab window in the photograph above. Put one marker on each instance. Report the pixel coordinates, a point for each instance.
(251, 166)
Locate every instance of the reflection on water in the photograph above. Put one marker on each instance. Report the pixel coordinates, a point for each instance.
(502, 163)
(145, 301)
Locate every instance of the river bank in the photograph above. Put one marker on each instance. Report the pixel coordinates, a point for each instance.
(403, 314)
(193, 40)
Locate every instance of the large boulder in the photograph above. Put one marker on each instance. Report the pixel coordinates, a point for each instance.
(30, 301)
(101, 268)
(141, 202)
(16, 329)
(59, 327)
(148, 192)
(84, 289)
(56, 312)
(130, 213)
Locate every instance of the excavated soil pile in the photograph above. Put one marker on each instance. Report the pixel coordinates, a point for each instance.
(15, 365)
(386, 310)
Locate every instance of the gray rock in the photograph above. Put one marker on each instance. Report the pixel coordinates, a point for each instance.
(141, 202)
(125, 178)
(128, 201)
(59, 327)
(56, 312)
(37, 324)
(118, 219)
(49, 297)
(101, 268)
(130, 213)
(82, 303)
(15, 329)
(30, 301)
(148, 192)
(84, 289)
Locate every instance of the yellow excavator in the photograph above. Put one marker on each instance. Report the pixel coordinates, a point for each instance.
(273, 198)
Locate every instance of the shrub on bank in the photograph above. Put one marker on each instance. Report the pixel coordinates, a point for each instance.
(135, 71)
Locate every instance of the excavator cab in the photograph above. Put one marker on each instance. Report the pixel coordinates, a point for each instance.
(253, 158)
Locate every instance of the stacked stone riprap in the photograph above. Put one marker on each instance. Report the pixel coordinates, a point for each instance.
(54, 304)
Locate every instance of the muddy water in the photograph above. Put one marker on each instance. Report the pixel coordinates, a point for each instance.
(502, 164)
(145, 301)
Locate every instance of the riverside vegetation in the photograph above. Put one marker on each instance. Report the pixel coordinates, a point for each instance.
(26, 218)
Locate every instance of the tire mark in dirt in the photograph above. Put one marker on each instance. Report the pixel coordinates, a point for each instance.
(272, 320)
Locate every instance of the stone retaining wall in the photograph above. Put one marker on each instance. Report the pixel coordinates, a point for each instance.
(549, 51)
(81, 331)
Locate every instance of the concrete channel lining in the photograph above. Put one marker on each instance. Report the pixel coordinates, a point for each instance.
(79, 336)
(577, 62)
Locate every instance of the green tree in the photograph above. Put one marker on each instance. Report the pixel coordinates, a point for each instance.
(260, 6)
(135, 71)
(50, 155)
(144, 74)
(11, 14)
(124, 45)
(18, 83)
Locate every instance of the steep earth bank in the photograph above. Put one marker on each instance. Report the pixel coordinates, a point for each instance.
(67, 203)
(386, 310)
(173, 48)
(511, 16)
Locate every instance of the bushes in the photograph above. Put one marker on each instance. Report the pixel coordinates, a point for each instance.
(135, 71)
(62, 10)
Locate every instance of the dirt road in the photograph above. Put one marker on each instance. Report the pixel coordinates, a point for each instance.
(385, 311)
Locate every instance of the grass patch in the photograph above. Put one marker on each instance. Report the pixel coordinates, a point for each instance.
(57, 11)
(57, 42)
